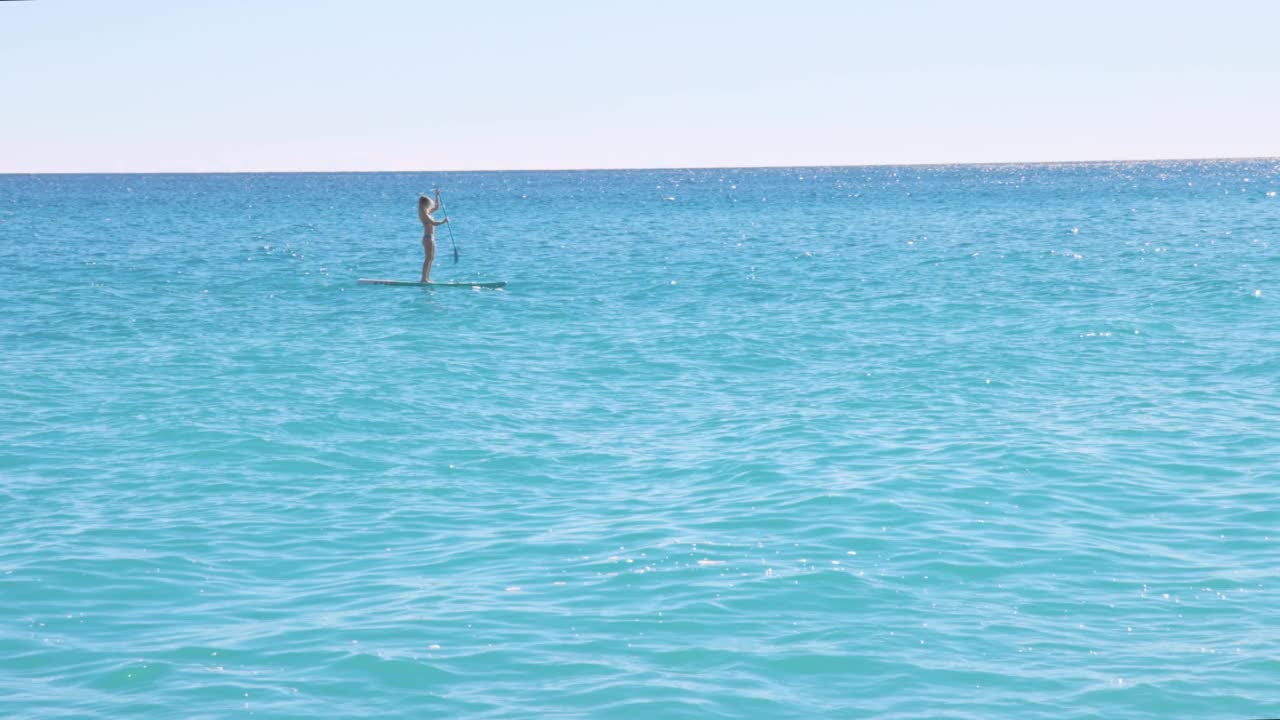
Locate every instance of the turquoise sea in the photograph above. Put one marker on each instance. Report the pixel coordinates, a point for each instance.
(883, 442)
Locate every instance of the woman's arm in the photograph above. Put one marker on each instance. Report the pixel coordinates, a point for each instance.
(424, 207)
(437, 206)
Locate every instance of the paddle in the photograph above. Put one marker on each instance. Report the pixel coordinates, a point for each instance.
(449, 227)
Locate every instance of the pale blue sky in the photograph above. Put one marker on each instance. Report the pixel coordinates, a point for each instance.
(213, 85)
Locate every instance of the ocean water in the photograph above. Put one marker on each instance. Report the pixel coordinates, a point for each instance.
(951, 442)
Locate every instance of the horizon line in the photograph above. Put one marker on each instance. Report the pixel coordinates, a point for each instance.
(657, 167)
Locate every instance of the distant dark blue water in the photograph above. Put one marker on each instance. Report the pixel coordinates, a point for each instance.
(951, 442)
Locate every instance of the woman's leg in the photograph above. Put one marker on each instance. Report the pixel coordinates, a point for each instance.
(428, 247)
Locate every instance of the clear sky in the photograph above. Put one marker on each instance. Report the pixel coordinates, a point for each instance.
(214, 85)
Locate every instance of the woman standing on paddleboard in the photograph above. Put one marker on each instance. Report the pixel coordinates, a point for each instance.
(426, 206)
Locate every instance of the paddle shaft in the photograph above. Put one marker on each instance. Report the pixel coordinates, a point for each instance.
(450, 229)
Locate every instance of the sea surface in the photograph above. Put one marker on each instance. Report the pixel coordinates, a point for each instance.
(882, 442)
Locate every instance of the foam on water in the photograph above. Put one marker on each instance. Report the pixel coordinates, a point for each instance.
(887, 442)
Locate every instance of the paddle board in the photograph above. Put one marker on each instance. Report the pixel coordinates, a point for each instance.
(409, 283)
